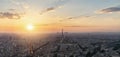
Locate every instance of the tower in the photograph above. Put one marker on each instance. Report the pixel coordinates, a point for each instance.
(62, 35)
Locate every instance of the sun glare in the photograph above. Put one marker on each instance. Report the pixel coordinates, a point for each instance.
(30, 27)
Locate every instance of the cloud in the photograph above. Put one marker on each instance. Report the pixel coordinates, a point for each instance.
(75, 17)
(74, 26)
(22, 4)
(57, 4)
(9, 15)
(110, 10)
(12, 9)
(48, 9)
(78, 17)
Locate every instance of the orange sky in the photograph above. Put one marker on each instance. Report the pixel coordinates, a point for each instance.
(53, 15)
(57, 28)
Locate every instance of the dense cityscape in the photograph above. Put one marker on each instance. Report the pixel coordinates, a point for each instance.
(61, 45)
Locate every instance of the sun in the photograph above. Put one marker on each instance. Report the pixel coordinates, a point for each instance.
(30, 27)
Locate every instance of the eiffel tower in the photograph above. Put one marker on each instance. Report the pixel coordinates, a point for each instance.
(65, 46)
(65, 39)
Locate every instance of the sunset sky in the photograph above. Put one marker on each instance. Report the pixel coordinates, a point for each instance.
(53, 15)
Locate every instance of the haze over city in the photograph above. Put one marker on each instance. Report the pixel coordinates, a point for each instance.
(59, 28)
